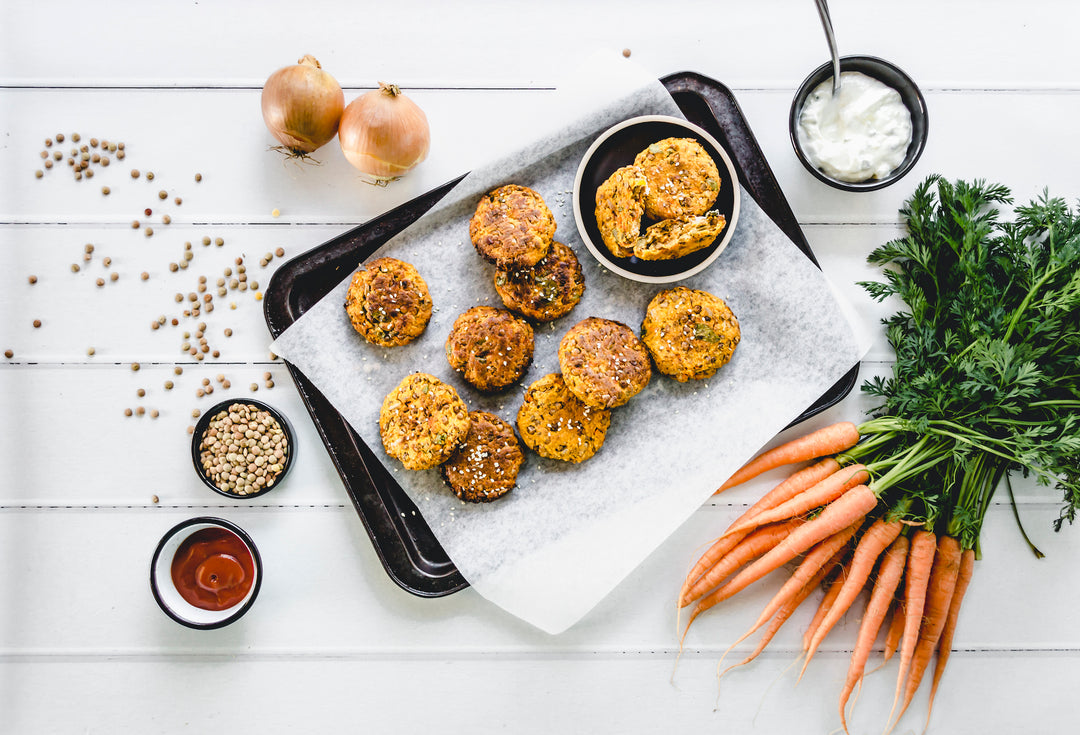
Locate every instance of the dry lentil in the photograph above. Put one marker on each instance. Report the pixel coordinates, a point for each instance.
(32, 280)
(134, 173)
(144, 275)
(149, 175)
(105, 190)
(9, 354)
(198, 177)
(128, 412)
(135, 367)
(139, 410)
(163, 194)
(168, 385)
(279, 252)
(149, 231)
(37, 323)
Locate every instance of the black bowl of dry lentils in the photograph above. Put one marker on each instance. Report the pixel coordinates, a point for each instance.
(242, 448)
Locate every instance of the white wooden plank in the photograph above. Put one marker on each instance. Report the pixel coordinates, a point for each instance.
(117, 317)
(119, 460)
(325, 594)
(220, 133)
(771, 44)
(520, 694)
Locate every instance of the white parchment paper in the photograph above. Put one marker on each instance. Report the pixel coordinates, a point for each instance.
(568, 534)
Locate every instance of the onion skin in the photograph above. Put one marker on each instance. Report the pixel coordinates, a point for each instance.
(302, 106)
(384, 134)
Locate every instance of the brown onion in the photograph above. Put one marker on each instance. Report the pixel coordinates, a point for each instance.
(302, 105)
(383, 133)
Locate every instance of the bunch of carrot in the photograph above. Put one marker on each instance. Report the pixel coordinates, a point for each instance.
(842, 520)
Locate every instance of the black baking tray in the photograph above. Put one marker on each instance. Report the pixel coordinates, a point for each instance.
(402, 538)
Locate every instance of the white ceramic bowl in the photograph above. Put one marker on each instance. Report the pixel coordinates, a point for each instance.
(165, 592)
(616, 147)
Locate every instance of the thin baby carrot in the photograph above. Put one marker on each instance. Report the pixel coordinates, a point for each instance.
(939, 596)
(824, 605)
(888, 578)
(963, 578)
(828, 440)
(824, 492)
(804, 478)
(872, 544)
(789, 607)
(819, 556)
(837, 515)
(917, 576)
(753, 546)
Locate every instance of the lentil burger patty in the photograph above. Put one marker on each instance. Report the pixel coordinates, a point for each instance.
(620, 205)
(603, 362)
(682, 178)
(485, 466)
(388, 302)
(512, 226)
(546, 291)
(422, 421)
(674, 238)
(690, 333)
(555, 424)
(490, 347)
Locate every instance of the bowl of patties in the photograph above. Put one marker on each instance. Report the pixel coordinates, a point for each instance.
(656, 199)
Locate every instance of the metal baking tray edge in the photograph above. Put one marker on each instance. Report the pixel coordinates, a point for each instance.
(402, 539)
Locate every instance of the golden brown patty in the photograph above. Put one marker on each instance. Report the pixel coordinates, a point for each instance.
(512, 226)
(683, 178)
(603, 362)
(490, 347)
(620, 204)
(555, 424)
(485, 466)
(422, 421)
(674, 238)
(388, 302)
(690, 334)
(548, 290)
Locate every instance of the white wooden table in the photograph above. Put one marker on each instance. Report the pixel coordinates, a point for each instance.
(332, 644)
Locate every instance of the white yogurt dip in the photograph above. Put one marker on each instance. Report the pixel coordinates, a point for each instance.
(863, 133)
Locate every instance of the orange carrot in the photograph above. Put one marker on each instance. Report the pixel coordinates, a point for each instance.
(804, 478)
(894, 632)
(753, 546)
(917, 576)
(825, 441)
(824, 492)
(837, 515)
(872, 544)
(789, 607)
(826, 603)
(819, 556)
(963, 578)
(939, 596)
(888, 578)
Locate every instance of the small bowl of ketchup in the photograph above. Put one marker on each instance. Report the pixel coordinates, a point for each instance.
(206, 573)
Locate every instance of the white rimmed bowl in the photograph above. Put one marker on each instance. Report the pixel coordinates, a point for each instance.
(616, 147)
(165, 592)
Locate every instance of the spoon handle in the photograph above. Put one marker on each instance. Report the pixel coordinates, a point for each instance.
(826, 23)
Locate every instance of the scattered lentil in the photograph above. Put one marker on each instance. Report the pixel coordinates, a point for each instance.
(279, 252)
(168, 385)
(134, 173)
(144, 276)
(163, 194)
(139, 410)
(198, 177)
(135, 367)
(9, 354)
(127, 411)
(149, 175)
(149, 231)
(105, 190)
(32, 280)
(37, 323)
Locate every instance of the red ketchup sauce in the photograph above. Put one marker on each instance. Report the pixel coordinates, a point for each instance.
(213, 569)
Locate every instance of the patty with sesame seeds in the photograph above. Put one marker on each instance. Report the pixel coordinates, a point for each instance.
(690, 333)
(512, 226)
(422, 421)
(682, 178)
(485, 466)
(546, 291)
(555, 424)
(388, 302)
(490, 347)
(620, 205)
(603, 362)
(674, 238)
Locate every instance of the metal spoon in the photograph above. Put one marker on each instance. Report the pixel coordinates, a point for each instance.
(826, 23)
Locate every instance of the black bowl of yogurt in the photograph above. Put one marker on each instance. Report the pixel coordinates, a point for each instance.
(869, 135)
